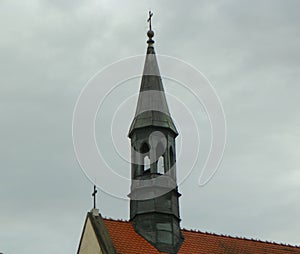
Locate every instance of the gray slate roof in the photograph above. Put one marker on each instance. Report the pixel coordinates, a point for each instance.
(152, 108)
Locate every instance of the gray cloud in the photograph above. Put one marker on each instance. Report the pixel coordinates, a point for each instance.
(248, 50)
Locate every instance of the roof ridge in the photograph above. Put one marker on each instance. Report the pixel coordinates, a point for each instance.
(116, 220)
(240, 238)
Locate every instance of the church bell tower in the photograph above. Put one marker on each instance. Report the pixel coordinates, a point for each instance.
(154, 196)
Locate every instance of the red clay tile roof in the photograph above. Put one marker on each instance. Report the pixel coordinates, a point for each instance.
(127, 241)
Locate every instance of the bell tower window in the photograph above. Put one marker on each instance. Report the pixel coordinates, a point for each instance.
(160, 165)
(146, 163)
(172, 160)
(160, 158)
(145, 157)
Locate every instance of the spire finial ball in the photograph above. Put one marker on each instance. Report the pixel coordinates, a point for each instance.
(150, 34)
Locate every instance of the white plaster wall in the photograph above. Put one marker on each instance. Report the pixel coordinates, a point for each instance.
(89, 242)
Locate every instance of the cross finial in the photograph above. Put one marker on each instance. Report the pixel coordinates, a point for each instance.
(94, 195)
(149, 20)
(150, 33)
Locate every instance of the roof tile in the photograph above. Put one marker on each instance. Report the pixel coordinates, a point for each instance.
(127, 241)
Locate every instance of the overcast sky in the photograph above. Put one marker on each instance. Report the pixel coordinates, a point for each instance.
(249, 50)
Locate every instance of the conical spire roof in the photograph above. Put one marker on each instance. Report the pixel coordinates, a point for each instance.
(152, 108)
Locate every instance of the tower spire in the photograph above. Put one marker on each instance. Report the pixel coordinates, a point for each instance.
(154, 196)
(152, 107)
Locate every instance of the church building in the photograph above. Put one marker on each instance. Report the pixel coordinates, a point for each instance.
(154, 223)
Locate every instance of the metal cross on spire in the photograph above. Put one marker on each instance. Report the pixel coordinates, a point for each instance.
(149, 20)
(94, 195)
